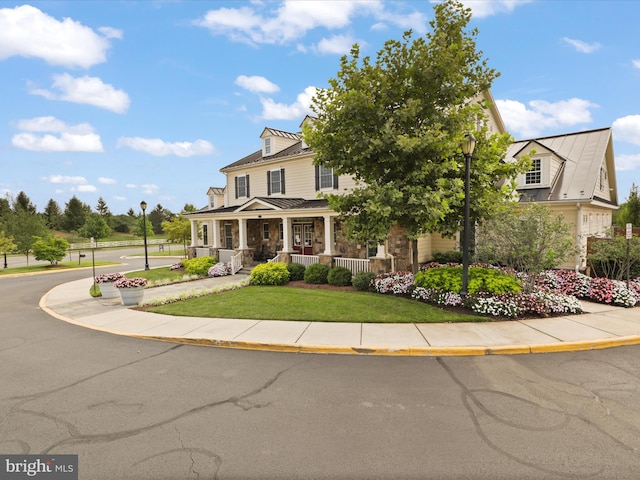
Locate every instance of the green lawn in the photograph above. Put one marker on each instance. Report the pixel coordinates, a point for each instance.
(53, 268)
(287, 303)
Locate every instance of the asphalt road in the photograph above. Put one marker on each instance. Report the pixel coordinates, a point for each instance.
(134, 409)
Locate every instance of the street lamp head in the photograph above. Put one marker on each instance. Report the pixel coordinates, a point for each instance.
(143, 205)
(469, 144)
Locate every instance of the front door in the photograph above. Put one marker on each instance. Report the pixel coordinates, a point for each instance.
(303, 238)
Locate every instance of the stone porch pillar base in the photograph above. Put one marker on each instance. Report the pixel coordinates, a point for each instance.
(379, 265)
(326, 259)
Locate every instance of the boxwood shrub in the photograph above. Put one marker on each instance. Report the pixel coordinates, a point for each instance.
(316, 273)
(272, 273)
(199, 265)
(296, 271)
(362, 281)
(339, 277)
(487, 280)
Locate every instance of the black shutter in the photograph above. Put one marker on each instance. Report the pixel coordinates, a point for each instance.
(247, 183)
(268, 183)
(236, 182)
(335, 181)
(282, 180)
(317, 178)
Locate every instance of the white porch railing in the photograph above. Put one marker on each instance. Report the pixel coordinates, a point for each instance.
(305, 260)
(236, 263)
(274, 259)
(355, 265)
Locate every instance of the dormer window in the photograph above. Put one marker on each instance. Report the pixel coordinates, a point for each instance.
(534, 176)
(267, 146)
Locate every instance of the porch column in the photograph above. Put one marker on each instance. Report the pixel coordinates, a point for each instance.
(242, 232)
(381, 252)
(286, 241)
(328, 234)
(216, 234)
(194, 233)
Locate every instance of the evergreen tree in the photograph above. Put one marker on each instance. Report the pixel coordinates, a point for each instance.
(53, 215)
(158, 215)
(23, 202)
(102, 208)
(630, 210)
(75, 214)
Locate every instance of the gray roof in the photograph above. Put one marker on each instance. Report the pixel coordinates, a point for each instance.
(281, 203)
(583, 154)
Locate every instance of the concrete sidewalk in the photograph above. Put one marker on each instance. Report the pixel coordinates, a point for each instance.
(603, 326)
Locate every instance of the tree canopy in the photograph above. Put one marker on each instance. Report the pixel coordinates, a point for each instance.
(395, 125)
(95, 226)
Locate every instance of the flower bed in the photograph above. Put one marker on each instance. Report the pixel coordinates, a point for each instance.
(219, 270)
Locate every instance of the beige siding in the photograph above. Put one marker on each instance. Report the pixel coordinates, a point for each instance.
(299, 174)
(424, 249)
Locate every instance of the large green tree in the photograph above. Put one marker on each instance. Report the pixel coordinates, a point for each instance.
(24, 226)
(53, 215)
(75, 214)
(23, 202)
(51, 249)
(95, 226)
(396, 126)
(629, 211)
(158, 215)
(6, 246)
(178, 230)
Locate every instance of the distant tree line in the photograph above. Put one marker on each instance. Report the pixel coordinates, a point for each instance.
(22, 227)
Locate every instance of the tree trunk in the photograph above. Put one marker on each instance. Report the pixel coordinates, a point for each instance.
(414, 256)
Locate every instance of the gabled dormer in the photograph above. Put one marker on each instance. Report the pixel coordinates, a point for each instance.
(274, 141)
(546, 166)
(216, 197)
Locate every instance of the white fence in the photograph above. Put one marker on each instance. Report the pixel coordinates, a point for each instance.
(125, 243)
(355, 265)
(305, 260)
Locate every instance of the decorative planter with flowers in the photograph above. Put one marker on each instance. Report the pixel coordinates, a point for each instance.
(131, 290)
(105, 281)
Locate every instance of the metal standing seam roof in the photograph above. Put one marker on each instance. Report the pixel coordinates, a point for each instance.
(280, 203)
(583, 154)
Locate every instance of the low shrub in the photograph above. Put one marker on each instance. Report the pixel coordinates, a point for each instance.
(339, 276)
(452, 256)
(199, 265)
(362, 281)
(316, 273)
(272, 273)
(481, 279)
(296, 271)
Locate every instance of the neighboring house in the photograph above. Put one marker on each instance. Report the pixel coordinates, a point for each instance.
(574, 174)
(270, 205)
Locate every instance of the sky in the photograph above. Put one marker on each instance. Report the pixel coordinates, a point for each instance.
(148, 100)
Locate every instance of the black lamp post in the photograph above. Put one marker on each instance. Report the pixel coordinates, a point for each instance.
(143, 205)
(468, 145)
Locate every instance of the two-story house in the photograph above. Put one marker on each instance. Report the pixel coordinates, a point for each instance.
(574, 174)
(270, 205)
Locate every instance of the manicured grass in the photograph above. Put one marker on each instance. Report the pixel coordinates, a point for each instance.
(53, 268)
(157, 274)
(286, 303)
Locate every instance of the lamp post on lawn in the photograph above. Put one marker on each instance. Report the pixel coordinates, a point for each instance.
(468, 145)
(143, 205)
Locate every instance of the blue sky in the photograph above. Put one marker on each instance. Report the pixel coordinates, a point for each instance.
(147, 100)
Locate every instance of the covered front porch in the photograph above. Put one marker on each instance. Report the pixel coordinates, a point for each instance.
(263, 234)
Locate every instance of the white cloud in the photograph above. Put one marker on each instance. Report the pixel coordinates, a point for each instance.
(87, 90)
(28, 32)
(69, 138)
(131, 185)
(149, 189)
(581, 46)
(627, 129)
(257, 84)
(86, 188)
(337, 44)
(485, 8)
(636, 63)
(627, 162)
(77, 180)
(107, 181)
(280, 111)
(540, 115)
(261, 23)
(109, 32)
(160, 148)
